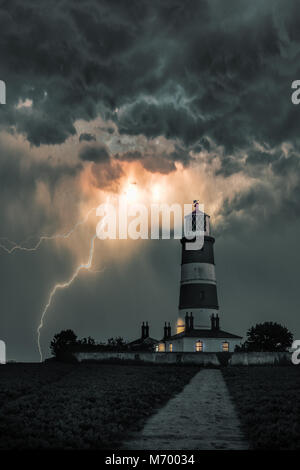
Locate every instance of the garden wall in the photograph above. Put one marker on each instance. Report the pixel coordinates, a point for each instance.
(201, 359)
(260, 359)
(204, 359)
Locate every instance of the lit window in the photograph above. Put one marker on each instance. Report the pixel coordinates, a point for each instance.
(180, 326)
(199, 346)
(225, 346)
(156, 348)
(170, 347)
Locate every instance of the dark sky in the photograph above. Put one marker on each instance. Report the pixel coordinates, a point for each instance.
(194, 96)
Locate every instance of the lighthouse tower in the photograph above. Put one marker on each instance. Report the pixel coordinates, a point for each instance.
(198, 289)
(198, 326)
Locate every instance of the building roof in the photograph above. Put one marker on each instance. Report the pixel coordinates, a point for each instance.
(147, 340)
(204, 334)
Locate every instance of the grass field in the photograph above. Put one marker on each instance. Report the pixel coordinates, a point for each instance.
(267, 400)
(88, 406)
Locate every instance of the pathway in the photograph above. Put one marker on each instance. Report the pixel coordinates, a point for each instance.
(201, 417)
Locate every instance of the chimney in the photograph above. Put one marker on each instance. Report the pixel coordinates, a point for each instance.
(169, 331)
(213, 322)
(165, 331)
(217, 322)
(191, 322)
(147, 330)
(187, 322)
(143, 331)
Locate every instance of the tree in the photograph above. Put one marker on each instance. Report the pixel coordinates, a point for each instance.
(268, 336)
(62, 342)
(89, 341)
(116, 344)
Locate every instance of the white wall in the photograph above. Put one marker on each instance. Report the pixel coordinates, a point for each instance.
(209, 344)
(158, 357)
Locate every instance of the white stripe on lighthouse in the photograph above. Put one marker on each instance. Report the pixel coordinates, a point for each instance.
(195, 273)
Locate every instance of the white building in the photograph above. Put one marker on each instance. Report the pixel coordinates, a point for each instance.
(200, 340)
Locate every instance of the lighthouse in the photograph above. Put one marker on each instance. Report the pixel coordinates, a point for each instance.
(198, 328)
(198, 288)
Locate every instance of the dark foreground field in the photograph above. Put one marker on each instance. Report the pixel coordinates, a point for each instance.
(88, 406)
(267, 400)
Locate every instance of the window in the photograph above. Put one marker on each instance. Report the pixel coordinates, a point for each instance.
(156, 348)
(199, 346)
(225, 346)
(170, 347)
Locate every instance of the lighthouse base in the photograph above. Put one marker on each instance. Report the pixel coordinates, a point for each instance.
(199, 331)
(201, 318)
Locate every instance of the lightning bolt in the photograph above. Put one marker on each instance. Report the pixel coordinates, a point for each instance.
(86, 266)
(21, 247)
(64, 285)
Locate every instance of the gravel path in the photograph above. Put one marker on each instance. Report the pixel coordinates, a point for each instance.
(201, 417)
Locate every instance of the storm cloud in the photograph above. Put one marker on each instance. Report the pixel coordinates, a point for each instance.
(182, 70)
(94, 153)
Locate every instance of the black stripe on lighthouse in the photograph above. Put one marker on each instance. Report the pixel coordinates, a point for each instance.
(205, 255)
(198, 296)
